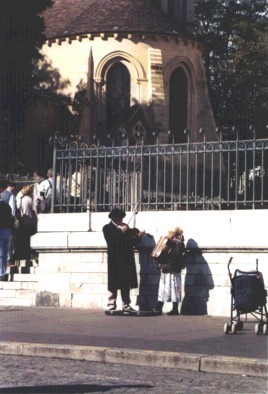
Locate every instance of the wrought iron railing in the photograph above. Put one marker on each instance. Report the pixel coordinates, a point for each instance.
(191, 176)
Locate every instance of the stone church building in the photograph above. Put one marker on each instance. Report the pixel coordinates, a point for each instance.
(140, 67)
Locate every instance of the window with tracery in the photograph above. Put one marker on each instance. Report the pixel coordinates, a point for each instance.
(139, 132)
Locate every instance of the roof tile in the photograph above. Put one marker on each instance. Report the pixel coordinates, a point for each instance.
(72, 17)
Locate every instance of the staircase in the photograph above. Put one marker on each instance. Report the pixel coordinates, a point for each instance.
(20, 287)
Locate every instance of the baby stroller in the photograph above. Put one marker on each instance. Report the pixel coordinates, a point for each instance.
(248, 295)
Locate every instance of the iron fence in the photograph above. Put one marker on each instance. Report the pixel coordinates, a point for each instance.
(191, 176)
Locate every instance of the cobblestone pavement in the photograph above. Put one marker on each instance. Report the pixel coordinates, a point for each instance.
(42, 375)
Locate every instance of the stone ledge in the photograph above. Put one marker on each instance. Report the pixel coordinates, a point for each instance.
(203, 230)
(234, 365)
(161, 359)
(51, 223)
(184, 361)
(49, 241)
(68, 241)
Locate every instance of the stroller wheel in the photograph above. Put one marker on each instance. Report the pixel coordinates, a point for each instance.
(234, 328)
(226, 328)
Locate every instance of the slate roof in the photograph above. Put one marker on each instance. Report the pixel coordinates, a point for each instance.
(73, 17)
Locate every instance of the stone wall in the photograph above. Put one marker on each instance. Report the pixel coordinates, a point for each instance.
(72, 269)
(150, 60)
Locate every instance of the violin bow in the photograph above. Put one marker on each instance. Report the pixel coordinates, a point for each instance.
(134, 212)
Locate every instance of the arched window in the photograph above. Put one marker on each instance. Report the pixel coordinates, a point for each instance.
(178, 104)
(118, 96)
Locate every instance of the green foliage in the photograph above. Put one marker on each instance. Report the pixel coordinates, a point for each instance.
(78, 102)
(79, 97)
(48, 79)
(234, 34)
(21, 37)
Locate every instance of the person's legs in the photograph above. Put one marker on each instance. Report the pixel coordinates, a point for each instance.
(125, 296)
(126, 300)
(4, 242)
(112, 295)
(160, 297)
(175, 285)
(159, 306)
(11, 247)
(174, 310)
(74, 204)
(2, 258)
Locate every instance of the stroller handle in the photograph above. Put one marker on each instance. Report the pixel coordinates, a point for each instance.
(229, 262)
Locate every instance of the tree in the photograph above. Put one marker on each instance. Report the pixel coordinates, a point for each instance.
(78, 102)
(48, 79)
(234, 34)
(21, 37)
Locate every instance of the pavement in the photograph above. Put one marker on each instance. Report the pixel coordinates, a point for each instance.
(195, 343)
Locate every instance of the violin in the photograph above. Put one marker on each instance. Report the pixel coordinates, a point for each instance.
(135, 232)
(123, 227)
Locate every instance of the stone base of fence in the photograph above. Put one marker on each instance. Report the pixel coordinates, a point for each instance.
(72, 261)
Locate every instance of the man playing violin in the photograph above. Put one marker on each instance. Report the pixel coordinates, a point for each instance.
(122, 273)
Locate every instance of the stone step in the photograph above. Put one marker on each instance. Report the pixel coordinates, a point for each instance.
(22, 267)
(34, 270)
(27, 263)
(25, 278)
(12, 269)
(20, 301)
(18, 286)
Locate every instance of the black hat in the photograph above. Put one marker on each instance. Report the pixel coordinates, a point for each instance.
(116, 213)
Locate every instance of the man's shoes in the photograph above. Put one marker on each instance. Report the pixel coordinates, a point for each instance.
(111, 307)
(128, 308)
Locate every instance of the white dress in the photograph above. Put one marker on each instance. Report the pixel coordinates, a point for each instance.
(169, 287)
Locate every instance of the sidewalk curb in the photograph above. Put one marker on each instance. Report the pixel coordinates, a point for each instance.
(184, 361)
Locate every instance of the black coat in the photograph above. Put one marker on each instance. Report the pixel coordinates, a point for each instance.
(121, 262)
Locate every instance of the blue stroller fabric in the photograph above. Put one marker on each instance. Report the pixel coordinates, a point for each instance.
(248, 292)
